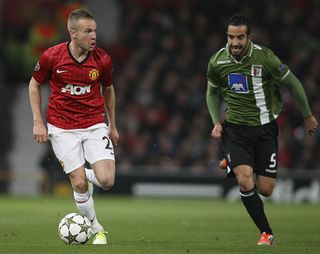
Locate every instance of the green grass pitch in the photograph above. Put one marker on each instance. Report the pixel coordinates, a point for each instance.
(145, 225)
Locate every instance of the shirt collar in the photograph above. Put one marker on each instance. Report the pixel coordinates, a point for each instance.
(248, 54)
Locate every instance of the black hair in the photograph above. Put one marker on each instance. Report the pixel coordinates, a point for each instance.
(238, 20)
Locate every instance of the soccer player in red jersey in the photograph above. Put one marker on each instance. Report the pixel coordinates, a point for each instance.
(82, 100)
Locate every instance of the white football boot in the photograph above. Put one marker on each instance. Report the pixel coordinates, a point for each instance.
(100, 236)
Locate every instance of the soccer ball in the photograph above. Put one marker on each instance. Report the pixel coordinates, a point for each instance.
(74, 228)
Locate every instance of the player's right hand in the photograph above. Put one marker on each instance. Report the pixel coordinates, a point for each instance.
(217, 131)
(40, 132)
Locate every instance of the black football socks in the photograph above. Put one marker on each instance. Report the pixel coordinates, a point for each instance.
(255, 208)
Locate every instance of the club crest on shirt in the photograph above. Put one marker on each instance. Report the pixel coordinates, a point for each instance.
(94, 74)
(256, 70)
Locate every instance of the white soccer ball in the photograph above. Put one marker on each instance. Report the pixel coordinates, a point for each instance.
(74, 228)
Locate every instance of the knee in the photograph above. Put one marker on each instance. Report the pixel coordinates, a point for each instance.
(245, 183)
(80, 186)
(266, 192)
(105, 173)
(245, 187)
(265, 188)
(107, 183)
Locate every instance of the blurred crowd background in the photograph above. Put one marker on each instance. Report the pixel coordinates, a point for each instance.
(160, 51)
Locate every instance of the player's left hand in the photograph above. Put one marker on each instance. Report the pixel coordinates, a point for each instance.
(113, 135)
(311, 124)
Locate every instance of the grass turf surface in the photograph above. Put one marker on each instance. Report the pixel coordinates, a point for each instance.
(138, 225)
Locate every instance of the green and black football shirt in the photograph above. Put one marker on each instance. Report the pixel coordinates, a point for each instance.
(250, 87)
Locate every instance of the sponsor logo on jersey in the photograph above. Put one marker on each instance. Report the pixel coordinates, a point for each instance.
(94, 74)
(76, 90)
(61, 71)
(238, 83)
(37, 67)
(223, 61)
(256, 70)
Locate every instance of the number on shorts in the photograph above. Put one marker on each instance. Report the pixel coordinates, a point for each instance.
(108, 144)
(273, 161)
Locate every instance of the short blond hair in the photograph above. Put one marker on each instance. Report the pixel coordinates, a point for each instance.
(76, 15)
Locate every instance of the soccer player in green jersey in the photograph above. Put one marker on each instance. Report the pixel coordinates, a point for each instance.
(248, 77)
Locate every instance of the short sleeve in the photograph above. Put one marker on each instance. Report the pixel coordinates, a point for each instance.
(42, 70)
(107, 69)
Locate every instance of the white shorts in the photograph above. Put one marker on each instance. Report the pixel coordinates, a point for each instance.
(74, 147)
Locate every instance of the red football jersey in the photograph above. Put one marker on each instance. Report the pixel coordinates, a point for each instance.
(75, 101)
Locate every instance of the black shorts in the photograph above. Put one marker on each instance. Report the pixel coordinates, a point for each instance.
(256, 146)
